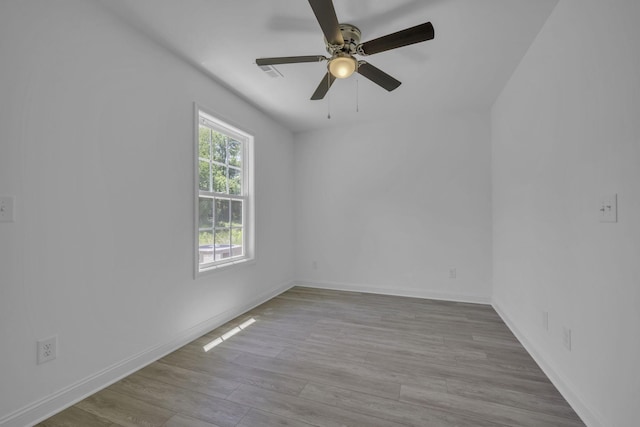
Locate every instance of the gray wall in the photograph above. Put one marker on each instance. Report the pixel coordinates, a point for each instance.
(393, 206)
(565, 133)
(96, 134)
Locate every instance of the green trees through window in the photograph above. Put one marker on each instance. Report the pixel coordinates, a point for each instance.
(220, 162)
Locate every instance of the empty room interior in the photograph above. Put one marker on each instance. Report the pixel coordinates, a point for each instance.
(319, 213)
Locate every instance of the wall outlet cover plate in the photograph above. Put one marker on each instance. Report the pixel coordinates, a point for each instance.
(47, 349)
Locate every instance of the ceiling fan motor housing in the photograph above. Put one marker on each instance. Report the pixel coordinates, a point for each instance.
(351, 35)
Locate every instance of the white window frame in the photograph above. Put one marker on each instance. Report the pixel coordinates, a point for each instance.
(204, 116)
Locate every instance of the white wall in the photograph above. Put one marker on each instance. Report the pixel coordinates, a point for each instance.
(566, 131)
(392, 207)
(96, 135)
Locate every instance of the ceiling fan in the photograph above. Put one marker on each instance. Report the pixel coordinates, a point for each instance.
(343, 42)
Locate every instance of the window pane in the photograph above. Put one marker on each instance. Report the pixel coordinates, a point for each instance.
(236, 213)
(204, 176)
(219, 147)
(222, 237)
(205, 250)
(206, 238)
(205, 212)
(222, 213)
(236, 240)
(222, 244)
(235, 153)
(205, 142)
(219, 179)
(235, 181)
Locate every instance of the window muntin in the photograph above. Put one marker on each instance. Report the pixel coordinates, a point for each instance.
(224, 197)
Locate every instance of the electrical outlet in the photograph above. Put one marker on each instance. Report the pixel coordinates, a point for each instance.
(566, 338)
(452, 273)
(6, 208)
(47, 349)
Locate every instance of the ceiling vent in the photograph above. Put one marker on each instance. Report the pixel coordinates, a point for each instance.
(271, 71)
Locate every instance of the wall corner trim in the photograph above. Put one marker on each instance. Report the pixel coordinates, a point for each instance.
(62, 399)
(564, 386)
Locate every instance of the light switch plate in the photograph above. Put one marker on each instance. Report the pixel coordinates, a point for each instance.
(608, 208)
(6, 208)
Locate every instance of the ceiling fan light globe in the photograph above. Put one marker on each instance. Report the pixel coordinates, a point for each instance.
(342, 67)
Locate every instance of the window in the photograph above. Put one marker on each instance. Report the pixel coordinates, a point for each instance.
(224, 220)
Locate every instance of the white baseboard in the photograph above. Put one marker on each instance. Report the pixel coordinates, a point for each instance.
(564, 386)
(413, 293)
(50, 405)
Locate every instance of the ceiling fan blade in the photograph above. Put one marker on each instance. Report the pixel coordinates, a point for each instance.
(323, 87)
(290, 60)
(378, 76)
(326, 16)
(417, 34)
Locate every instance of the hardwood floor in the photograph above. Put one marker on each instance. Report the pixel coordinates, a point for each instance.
(328, 358)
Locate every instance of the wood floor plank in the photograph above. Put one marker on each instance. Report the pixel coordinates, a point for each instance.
(125, 410)
(551, 405)
(381, 331)
(386, 374)
(314, 413)
(340, 373)
(317, 357)
(374, 345)
(75, 416)
(265, 328)
(524, 369)
(473, 408)
(251, 375)
(192, 380)
(217, 411)
(196, 348)
(257, 418)
(180, 420)
(387, 409)
(242, 342)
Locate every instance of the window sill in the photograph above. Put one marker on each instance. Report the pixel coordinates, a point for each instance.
(233, 264)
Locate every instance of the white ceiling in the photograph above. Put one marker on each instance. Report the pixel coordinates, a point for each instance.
(477, 46)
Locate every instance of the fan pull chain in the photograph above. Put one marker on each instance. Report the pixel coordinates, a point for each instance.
(328, 97)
